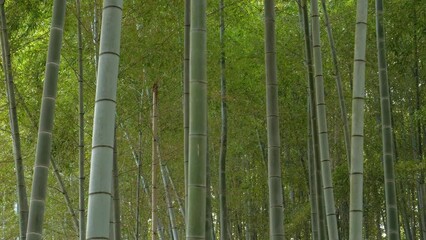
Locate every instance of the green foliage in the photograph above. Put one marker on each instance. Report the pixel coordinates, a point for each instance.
(152, 50)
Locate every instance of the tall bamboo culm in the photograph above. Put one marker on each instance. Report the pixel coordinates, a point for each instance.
(224, 132)
(13, 117)
(196, 213)
(327, 183)
(155, 163)
(44, 141)
(98, 213)
(343, 112)
(319, 201)
(276, 208)
(357, 138)
(304, 25)
(187, 25)
(392, 225)
(82, 218)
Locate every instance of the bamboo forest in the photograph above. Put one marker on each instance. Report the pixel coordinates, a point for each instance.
(218, 119)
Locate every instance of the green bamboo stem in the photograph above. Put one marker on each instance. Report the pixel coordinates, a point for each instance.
(357, 140)
(224, 133)
(392, 225)
(14, 126)
(104, 122)
(54, 168)
(116, 190)
(181, 207)
(196, 218)
(169, 203)
(44, 141)
(82, 218)
(322, 229)
(312, 183)
(160, 228)
(209, 221)
(65, 194)
(313, 197)
(137, 214)
(187, 26)
(343, 112)
(322, 127)
(276, 208)
(155, 163)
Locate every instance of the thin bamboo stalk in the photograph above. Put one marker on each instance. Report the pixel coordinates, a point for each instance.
(14, 126)
(155, 163)
(224, 133)
(82, 218)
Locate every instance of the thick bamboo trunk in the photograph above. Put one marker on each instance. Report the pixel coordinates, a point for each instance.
(343, 113)
(392, 225)
(357, 142)
(104, 122)
(322, 231)
(322, 127)
(276, 208)
(44, 141)
(196, 218)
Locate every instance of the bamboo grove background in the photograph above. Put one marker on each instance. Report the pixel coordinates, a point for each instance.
(152, 43)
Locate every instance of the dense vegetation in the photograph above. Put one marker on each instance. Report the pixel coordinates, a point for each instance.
(152, 52)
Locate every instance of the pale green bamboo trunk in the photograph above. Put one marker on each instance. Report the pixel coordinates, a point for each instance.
(44, 141)
(343, 113)
(357, 141)
(327, 182)
(392, 225)
(14, 126)
(187, 25)
(82, 218)
(276, 208)
(196, 218)
(104, 122)
(154, 165)
(322, 231)
(224, 133)
(304, 25)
